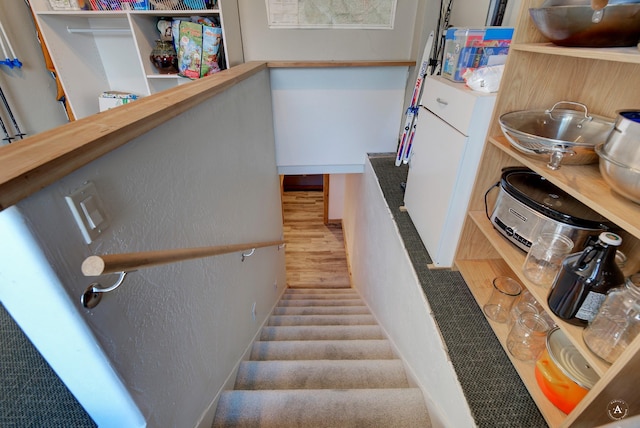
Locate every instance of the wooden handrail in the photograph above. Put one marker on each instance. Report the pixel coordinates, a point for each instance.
(111, 263)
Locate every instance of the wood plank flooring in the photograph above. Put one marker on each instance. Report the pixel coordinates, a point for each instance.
(315, 254)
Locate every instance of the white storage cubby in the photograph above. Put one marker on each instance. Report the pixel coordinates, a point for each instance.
(97, 51)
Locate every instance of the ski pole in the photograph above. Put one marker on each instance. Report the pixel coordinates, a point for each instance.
(13, 119)
(7, 137)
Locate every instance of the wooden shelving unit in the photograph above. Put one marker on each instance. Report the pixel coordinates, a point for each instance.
(97, 51)
(537, 75)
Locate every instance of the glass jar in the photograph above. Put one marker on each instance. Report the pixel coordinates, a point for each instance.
(164, 58)
(617, 322)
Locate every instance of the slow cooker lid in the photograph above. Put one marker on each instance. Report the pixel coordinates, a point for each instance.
(544, 197)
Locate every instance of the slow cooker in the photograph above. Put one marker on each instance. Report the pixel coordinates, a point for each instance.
(528, 204)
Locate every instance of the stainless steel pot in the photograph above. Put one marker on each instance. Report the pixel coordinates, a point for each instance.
(616, 25)
(557, 134)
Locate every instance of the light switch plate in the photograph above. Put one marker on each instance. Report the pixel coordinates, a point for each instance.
(88, 211)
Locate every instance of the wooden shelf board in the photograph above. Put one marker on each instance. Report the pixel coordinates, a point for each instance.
(585, 183)
(478, 274)
(626, 54)
(112, 13)
(340, 63)
(514, 259)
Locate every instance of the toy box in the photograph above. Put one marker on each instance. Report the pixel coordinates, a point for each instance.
(460, 46)
(470, 48)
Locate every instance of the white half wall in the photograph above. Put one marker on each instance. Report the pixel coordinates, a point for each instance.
(327, 119)
(383, 274)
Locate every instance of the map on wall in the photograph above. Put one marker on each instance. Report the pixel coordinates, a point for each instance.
(353, 14)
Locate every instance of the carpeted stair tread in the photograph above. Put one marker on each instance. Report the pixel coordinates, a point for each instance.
(345, 283)
(322, 360)
(302, 320)
(324, 332)
(321, 296)
(344, 408)
(299, 290)
(376, 349)
(321, 310)
(319, 302)
(321, 374)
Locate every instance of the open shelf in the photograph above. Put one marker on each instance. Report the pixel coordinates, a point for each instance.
(627, 54)
(585, 183)
(478, 275)
(513, 258)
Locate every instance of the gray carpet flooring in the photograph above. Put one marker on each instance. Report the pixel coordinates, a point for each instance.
(31, 394)
(495, 393)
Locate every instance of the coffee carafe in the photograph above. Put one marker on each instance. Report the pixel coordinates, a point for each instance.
(584, 280)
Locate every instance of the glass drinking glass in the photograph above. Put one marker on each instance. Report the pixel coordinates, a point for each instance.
(504, 293)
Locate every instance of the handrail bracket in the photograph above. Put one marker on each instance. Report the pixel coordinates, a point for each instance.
(93, 293)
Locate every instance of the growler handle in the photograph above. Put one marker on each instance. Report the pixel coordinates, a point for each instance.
(587, 255)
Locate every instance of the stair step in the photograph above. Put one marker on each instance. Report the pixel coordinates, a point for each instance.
(320, 296)
(302, 320)
(345, 408)
(322, 350)
(321, 374)
(321, 310)
(320, 290)
(325, 332)
(320, 302)
(303, 285)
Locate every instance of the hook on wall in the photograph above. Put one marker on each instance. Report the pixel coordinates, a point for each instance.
(93, 294)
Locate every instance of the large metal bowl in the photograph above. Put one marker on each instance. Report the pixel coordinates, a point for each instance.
(573, 25)
(623, 143)
(622, 178)
(558, 135)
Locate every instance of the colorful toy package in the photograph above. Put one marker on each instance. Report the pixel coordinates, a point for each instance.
(466, 49)
(198, 45)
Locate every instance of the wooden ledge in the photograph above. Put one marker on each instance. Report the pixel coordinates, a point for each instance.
(337, 64)
(28, 165)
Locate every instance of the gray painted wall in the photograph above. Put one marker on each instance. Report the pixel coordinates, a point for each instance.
(173, 333)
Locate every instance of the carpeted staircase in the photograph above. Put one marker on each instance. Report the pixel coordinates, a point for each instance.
(322, 361)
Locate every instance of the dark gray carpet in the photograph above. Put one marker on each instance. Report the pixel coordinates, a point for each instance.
(493, 389)
(31, 394)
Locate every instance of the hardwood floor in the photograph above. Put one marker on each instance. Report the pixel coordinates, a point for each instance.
(315, 253)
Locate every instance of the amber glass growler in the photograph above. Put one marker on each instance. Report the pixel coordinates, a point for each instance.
(584, 280)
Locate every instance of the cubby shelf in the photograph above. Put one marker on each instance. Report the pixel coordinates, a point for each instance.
(97, 51)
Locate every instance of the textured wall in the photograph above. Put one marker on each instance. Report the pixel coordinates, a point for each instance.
(382, 272)
(208, 177)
